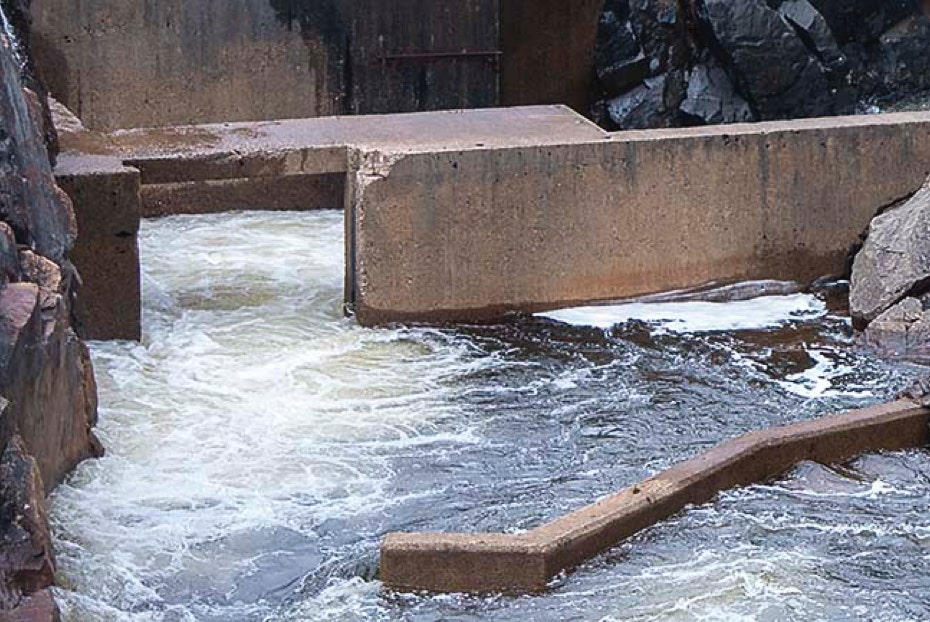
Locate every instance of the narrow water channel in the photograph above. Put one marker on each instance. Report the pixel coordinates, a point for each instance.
(260, 445)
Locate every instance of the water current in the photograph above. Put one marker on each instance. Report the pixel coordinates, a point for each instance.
(260, 445)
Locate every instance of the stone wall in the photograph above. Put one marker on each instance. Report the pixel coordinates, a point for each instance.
(48, 405)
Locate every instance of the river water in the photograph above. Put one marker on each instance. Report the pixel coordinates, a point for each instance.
(260, 445)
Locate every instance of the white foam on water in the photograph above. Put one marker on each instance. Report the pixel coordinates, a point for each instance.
(698, 316)
(253, 412)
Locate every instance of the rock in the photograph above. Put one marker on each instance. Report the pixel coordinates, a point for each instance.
(40, 607)
(712, 98)
(812, 26)
(620, 61)
(27, 565)
(894, 261)
(652, 104)
(863, 20)
(768, 61)
(9, 255)
(902, 59)
(662, 33)
(30, 202)
(20, 16)
(903, 331)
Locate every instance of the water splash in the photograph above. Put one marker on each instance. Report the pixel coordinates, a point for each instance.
(260, 445)
(10, 39)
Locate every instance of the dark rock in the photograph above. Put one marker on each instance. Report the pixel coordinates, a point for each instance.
(652, 104)
(661, 31)
(9, 255)
(20, 17)
(903, 331)
(39, 214)
(712, 98)
(619, 58)
(903, 56)
(894, 261)
(27, 562)
(863, 20)
(768, 61)
(812, 26)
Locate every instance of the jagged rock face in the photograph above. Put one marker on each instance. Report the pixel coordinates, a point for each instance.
(777, 72)
(20, 17)
(894, 261)
(47, 390)
(903, 331)
(30, 202)
(782, 58)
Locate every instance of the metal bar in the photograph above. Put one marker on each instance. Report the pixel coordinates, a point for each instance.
(433, 56)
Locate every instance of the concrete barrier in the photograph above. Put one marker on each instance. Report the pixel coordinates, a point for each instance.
(527, 562)
(468, 234)
(105, 194)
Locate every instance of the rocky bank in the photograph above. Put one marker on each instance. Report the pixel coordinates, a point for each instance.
(670, 63)
(889, 295)
(48, 402)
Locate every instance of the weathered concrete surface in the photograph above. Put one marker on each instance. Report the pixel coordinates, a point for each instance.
(469, 234)
(526, 562)
(120, 64)
(299, 163)
(533, 42)
(105, 195)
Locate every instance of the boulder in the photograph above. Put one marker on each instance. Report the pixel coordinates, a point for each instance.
(651, 104)
(902, 60)
(863, 20)
(771, 65)
(712, 99)
(894, 261)
(903, 331)
(619, 58)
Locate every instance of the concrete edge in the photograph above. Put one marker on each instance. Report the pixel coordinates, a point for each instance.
(525, 563)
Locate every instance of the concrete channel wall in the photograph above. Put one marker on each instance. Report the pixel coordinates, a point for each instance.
(527, 562)
(470, 234)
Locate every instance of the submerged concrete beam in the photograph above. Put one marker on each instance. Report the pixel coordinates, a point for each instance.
(527, 562)
(468, 234)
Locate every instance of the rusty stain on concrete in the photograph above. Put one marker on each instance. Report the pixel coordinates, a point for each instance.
(456, 562)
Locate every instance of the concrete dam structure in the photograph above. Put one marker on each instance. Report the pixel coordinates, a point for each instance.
(464, 216)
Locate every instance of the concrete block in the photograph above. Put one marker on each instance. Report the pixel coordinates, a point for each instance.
(106, 203)
(527, 562)
(469, 234)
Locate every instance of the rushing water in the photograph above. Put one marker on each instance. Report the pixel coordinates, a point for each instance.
(260, 445)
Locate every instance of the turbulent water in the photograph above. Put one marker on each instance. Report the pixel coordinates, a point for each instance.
(260, 445)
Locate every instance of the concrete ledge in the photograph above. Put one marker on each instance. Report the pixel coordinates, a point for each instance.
(470, 234)
(527, 562)
(105, 194)
(292, 192)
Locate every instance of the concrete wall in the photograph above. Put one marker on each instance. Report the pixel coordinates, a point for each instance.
(550, 38)
(155, 62)
(527, 562)
(120, 64)
(105, 195)
(471, 234)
